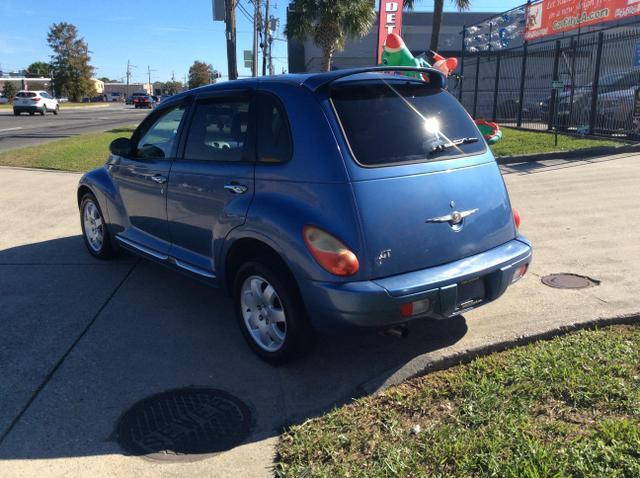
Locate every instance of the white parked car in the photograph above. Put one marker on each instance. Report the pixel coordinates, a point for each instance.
(33, 102)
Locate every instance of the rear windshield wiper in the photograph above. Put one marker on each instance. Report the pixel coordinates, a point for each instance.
(452, 143)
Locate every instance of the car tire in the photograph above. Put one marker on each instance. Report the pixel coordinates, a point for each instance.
(31, 113)
(275, 323)
(97, 238)
(56, 110)
(16, 113)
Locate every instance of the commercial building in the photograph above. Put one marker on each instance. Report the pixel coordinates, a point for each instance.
(124, 89)
(416, 32)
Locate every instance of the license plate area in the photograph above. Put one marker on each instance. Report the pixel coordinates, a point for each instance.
(470, 293)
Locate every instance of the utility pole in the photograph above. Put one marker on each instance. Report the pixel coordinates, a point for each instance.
(129, 66)
(230, 24)
(256, 29)
(265, 38)
(149, 70)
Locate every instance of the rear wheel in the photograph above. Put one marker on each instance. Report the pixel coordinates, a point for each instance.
(94, 229)
(270, 312)
(56, 109)
(31, 113)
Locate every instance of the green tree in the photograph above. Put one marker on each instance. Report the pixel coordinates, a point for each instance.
(329, 23)
(9, 91)
(201, 73)
(173, 87)
(438, 7)
(106, 79)
(72, 71)
(38, 69)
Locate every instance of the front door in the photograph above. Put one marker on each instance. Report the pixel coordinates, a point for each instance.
(142, 181)
(211, 186)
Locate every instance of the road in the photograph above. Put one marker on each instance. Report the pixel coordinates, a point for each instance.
(82, 340)
(25, 130)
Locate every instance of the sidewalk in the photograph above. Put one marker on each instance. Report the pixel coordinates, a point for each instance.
(149, 330)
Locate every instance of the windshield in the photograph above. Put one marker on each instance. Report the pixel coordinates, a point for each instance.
(393, 122)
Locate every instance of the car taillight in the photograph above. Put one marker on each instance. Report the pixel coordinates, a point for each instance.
(519, 273)
(36, 98)
(516, 218)
(329, 252)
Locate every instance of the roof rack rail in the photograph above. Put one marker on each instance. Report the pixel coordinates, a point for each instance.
(322, 81)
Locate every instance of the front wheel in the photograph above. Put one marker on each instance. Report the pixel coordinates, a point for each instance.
(56, 109)
(270, 311)
(94, 229)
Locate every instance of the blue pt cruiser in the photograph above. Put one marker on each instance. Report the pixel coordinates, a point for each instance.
(356, 197)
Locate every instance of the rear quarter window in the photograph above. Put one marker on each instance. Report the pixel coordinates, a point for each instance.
(387, 123)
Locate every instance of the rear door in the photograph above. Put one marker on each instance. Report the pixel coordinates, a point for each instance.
(427, 189)
(212, 184)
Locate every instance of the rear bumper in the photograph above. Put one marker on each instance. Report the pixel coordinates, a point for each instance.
(28, 109)
(376, 303)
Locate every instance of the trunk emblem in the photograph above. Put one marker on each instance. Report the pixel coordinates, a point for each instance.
(455, 218)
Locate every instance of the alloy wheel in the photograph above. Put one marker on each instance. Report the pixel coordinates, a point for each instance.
(263, 313)
(93, 226)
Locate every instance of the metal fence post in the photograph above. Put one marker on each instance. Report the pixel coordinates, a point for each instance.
(554, 92)
(475, 92)
(596, 81)
(522, 80)
(464, 48)
(496, 87)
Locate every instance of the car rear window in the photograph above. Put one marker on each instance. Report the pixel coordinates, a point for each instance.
(387, 123)
(26, 94)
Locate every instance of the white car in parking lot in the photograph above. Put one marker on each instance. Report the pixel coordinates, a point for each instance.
(33, 102)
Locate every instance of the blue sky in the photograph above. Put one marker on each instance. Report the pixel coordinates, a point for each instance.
(165, 35)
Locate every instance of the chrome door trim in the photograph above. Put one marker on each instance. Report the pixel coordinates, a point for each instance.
(146, 250)
(194, 269)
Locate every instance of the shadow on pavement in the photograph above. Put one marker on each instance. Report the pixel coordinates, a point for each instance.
(149, 329)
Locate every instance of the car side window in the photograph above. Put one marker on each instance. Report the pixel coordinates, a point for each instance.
(218, 131)
(158, 141)
(274, 137)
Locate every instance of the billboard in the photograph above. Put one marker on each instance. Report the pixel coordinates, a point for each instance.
(389, 21)
(550, 17)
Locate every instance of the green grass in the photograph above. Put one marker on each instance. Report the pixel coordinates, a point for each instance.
(568, 407)
(78, 153)
(516, 142)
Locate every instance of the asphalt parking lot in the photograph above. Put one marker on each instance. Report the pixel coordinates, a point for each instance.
(25, 130)
(83, 340)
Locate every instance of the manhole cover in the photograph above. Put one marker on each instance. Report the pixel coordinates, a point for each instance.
(189, 421)
(569, 281)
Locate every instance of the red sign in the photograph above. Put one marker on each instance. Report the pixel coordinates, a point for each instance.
(389, 21)
(549, 17)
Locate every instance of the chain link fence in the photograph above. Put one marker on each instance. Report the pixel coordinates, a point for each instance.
(583, 84)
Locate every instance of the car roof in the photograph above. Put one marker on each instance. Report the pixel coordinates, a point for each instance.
(312, 81)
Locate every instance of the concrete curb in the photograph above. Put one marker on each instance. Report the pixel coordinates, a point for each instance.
(459, 358)
(41, 170)
(585, 153)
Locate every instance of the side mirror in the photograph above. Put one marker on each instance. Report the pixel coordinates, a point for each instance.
(120, 147)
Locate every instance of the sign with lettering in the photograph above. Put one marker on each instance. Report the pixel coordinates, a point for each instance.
(549, 17)
(389, 21)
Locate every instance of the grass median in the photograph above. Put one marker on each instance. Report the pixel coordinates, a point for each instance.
(86, 151)
(567, 407)
(517, 142)
(78, 153)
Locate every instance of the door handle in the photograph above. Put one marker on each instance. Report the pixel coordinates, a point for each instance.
(236, 188)
(159, 179)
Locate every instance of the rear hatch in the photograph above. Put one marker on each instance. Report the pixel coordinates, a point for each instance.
(26, 98)
(427, 189)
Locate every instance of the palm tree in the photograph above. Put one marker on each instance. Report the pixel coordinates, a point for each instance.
(329, 23)
(438, 7)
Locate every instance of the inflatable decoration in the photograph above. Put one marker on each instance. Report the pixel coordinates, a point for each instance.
(490, 131)
(396, 53)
